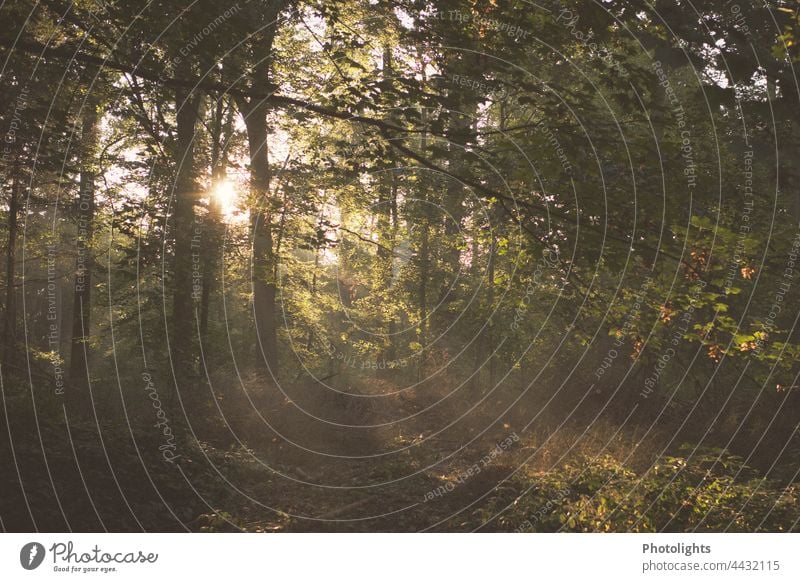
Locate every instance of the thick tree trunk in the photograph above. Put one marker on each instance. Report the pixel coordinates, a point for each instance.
(187, 240)
(81, 312)
(487, 342)
(263, 260)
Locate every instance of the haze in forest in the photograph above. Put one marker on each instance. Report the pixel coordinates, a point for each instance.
(399, 266)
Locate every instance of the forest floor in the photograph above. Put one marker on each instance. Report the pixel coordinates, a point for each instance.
(304, 474)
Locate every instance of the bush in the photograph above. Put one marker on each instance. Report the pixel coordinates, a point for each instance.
(708, 491)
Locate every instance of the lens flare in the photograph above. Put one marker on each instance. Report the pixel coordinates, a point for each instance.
(225, 195)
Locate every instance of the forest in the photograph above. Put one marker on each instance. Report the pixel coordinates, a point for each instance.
(400, 266)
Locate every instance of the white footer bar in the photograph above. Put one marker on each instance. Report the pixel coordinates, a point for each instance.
(400, 557)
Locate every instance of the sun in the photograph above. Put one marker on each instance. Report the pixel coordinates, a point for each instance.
(225, 195)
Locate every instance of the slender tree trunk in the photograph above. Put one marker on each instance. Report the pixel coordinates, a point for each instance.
(424, 273)
(463, 110)
(488, 339)
(424, 255)
(10, 312)
(391, 350)
(313, 291)
(81, 311)
(211, 248)
(384, 277)
(495, 220)
(221, 132)
(387, 233)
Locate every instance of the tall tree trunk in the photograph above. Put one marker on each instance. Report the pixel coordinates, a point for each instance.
(221, 131)
(211, 249)
(81, 312)
(312, 288)
(10, 312)
(424, 251)
(263, 260)
(495, 220)
(264, 265)
(387, 278)
(463, 108)
(488, 336)
(422, 298)
(186, 241)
